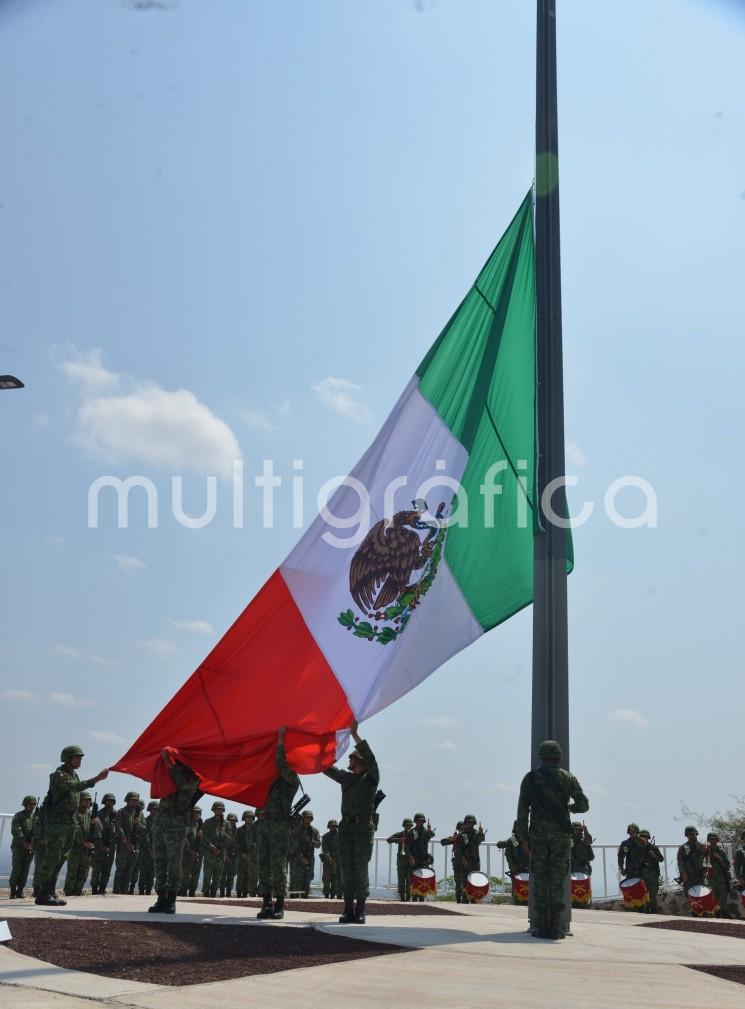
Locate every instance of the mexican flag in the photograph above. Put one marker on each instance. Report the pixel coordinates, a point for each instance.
(436, 549)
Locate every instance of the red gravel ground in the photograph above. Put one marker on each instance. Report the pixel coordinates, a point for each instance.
(333, 907)
(170, 953)
(734, 929)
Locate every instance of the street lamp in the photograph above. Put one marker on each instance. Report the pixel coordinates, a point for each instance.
(10, 382)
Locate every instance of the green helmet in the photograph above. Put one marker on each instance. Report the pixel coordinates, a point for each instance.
(690, 830)
(85, 795)
(632, 826)
(549, 750)
(216, 806)
(644, 833)
(407, 822)
(29, 798)
(232, 816)
(109, 795)
(459, 825)
(70, 751)
(132, 795)
(470, 818)
(152, 805)
(307, 814)
(196, 809)
(248, 815)
(332, 823)
(576, 825)
(419, 816)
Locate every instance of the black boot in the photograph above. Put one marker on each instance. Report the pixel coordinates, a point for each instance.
(213, 891)
(169, 903)
(12, 893)
(347, 918)
(192, 893)
(540, 924)
(50, 900)
(222, 891)
(279, 908)
(555, 931)
(131, 890)
(159, 906)
(267, 911)
(359, 912)
(228, 892)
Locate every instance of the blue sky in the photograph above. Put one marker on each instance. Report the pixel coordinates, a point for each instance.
(213, 209)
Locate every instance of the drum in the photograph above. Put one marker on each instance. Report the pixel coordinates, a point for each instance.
(742, 897)
(635, 893)
(520, 887)
(581, 889)
(423, 883)
(477, 886)
(702, 900)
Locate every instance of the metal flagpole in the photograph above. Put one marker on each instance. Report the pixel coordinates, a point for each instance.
(550, 713)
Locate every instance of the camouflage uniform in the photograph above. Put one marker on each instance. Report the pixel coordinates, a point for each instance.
(303, 842)
(245, 850)
(458, 878)
(720, 879)
(79, 859)
(139, 841)
(417, 847)
(103, 853)
(356, 829)
(273, 835)
(632, 857)
(127, 834)
(517, 861)
(582, 853)
(21, 846)
(403, 868)
(213, 845)
(651, 870)
(469, 858)
(545, 794)
(691, 860)
(740, 861)
(229, 865)
(54, 826)
(331, 876)
(169, 834)
(191, 861)
(146, 875)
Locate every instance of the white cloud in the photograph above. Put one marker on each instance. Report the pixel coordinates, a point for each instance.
(101, 660)
(258, 420)
(437, 721)
(20, 695)
(574, 455)
(158, 428)
(61, 700)
(446, 744)
(101, 736)
(71, 701)
(71, 653)
(342, 396)
(159, 647)
(88, 371)
(197, 626)
(75, 653)
(128, 563)
(496, 787)
(629, 716)
(40, 768)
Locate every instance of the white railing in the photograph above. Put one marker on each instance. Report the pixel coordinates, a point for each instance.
(5, 819)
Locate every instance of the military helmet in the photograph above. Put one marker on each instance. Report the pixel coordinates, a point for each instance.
(419, 816)
(576, 825)
(644, 833)
(218, 805)
(407, 822)
(712, 836)
(248, 814)
(690, 830)
(459, 825)
(140, 804)
(196, 809)
(332, 823)
(132, 795)
(308, 814)
(70, 751)
(153, 804)
(470, 818)
(232, 816)
(356, 755)
(85, 795)
(29, 798)
(632, 826)
(549, 750)
(109, 795)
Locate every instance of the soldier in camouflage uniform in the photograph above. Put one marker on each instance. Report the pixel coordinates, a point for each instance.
(632, 855)
(169, 832)
(417, 846)
(303, 842)
(273, 834)
(469, 841)
(356, 831)
(691, 857)
(517, 860)
(331, 875)
(127, 834)
(740, 861)
(241, 854)
(79, 859)
(21, 845)
(229, 867)
(403, 869)
(720, 879)
(582, 853)
(103, 853)
(146, 875)
(54, 827)
(191, 864)
(458, 879)
(651, 870)
(213, 846)
(139, 842)
(547, 796)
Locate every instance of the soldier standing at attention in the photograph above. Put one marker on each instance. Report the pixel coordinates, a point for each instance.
(229, 867)
(417, 846)
(252, 863)
(273, 834)
(547, 796)
(691, 860)
(55, 829)
(21, 845)
(127, 833)
(103, 853)
(330, 860)
(582, 853)
(400, 839)
(241, 854)
(632, 855)
(358, 787)
(305, 839)
(213, 845)
(139, 842)
(651, 870)
(147, 866)
(192, 859)
(720, 879)
(740, 861)
(458, 878)
(469, 840)
(517, 860)
(169, 832)
(79, 859)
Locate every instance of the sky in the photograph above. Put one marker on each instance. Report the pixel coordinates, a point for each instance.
(233, 229)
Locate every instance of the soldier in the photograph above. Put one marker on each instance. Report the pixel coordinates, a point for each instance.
(241, 852)
(169, 832)
(547, 796)
(303, 842)
(417, 846)
(54, 828)
(720, 879)
(192, 859)
(740, 861)
(469, 840)
(517, 860)
(691, 856)
(358, 788)
(632, 856)
(403, 872)
(273, 834)
(330, 860)
(651, 870)
(21, 845)
(213, 845)
(229, 866)
(147, 866)
(127, 835)
(251, 883)
(105, 845)
(582, 853)
(458, 878)
(79, 859)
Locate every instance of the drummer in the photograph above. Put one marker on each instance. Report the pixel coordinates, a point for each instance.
(458, 878)
(582, 853)
(417, 846)
(469, 840)
(720, 880)
(651, 870)
(691, 860)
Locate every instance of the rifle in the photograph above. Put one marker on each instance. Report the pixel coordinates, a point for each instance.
(94, 807)
(301, 803)
(379, 796)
